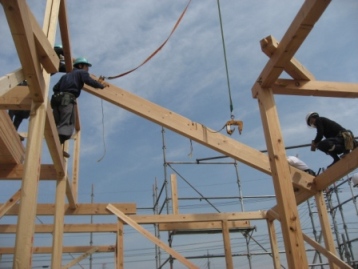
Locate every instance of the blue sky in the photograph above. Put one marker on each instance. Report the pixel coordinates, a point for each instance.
(188, 77)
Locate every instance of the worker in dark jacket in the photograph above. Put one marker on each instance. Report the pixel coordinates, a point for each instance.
(337, 140)
(66, 91)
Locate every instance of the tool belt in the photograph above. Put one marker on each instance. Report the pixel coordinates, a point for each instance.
(62, 99)
(349, 141)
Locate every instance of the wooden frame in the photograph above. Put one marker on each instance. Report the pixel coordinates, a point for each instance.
(34, 46)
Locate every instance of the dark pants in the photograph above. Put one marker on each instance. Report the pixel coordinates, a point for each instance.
(65, 121)
(17, 116)
(332, 146)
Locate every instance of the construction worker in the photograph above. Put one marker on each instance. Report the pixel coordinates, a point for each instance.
(299, 164)
(59, 51)
(338, 139)
(66, 91)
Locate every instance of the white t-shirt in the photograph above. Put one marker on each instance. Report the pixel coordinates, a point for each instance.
(295, 162)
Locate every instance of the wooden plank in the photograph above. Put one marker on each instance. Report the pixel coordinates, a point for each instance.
(76, 165)
(120, 245)
(202, 226)
(65, 249)
(274, 245)
(329, 255)
(70, 194)
(294, 245)
(174, 191)
(65, 34)
(325, 226)
(57, 239)
(227, 245)
(10, 80)
(80, 258)
(315, 88)
(151, 237)
(67, 228)
(81, 209)
(17, 14)
(10, 203)
(53, 142)
(18, 98)
(11, 149)
(15, 172)
(297, 32)
(294, 68)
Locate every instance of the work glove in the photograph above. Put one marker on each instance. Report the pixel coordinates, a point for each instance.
(104, 84)
(313, 146)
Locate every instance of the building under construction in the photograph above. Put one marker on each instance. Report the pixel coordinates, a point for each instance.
(327, 201)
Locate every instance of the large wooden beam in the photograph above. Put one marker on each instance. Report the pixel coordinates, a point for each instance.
(297, 32)
(16, 171)
(203, 226)
(18, 17)
(18, 98)
(315, 88)
(290, 221)
(81, 209)
(294, 68)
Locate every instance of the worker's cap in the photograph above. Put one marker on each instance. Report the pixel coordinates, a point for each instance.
(81, 60)
(311, 115)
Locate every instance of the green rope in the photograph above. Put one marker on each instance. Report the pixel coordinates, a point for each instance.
(227, 71)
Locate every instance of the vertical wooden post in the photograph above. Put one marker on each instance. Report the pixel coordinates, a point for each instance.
(290, 224)
(325, 226)
(227, 245)
(173, 183)
(120, 245)
(273, 242)
(76, 165)
(57, 236)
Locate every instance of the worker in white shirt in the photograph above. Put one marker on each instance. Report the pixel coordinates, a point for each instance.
(299, 164)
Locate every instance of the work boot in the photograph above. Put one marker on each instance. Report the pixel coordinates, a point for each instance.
(66, 155)
(335, 159)
(21, 138)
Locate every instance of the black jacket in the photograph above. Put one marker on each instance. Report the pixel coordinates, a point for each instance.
(326, 128)
(73, 82)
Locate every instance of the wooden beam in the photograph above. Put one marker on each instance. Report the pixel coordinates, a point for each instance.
(274, 245)
(17, 14)
(294, 68)
(18, 98)
(297, 32)
(70, 194)
(194, 131)
(174, 191)
(325, 226)
(15, 172)
(65, 35)
(10, 80)
(151, 237)
(65, 249)
(80, 258)
(294, 245)
(81, 209)
(76, 165)
(329, 255)
(120, 245)
(203, 226)
(10, 203)
(59, 218)
(227, 245)
(315, 88)
(11, 149)
(67, 228)
(53, 142)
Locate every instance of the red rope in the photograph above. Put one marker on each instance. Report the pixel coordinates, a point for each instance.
(157, 50)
